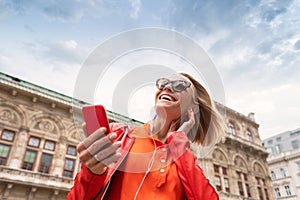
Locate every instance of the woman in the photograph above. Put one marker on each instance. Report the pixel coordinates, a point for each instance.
(153, 161)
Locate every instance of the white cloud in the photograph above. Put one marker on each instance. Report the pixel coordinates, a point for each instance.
(69, 44)
(136, 7)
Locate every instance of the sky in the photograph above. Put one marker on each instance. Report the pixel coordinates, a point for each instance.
(254, 45)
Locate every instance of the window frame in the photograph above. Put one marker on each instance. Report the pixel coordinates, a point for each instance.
(34, 162)
(4, 130)
(232, 128)
(72, 171)
(34, 137)
(44, 146)
(71, 146)
(288, 191)
(6, 158)
(249, 135)
(40, 162)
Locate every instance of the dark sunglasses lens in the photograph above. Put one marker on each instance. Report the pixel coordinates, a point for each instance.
(179, 86)
(161, 83)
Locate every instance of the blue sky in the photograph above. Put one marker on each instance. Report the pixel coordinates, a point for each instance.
(255, 45)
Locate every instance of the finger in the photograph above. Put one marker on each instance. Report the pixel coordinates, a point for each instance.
(101, 143)
(98, 167)
(89, 140)
(84, 127)
(186, 126)
(105, 153)
(111, 159)
(99, 133)
(191, 117)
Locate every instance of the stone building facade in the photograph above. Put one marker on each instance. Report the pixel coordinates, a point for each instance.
(237, 166)
(38, 138)
(284, 163)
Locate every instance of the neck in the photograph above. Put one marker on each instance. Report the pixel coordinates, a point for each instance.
(160, 128)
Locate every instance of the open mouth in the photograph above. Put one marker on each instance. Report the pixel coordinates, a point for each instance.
(166, 97)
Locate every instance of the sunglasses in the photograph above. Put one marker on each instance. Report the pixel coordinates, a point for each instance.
(176, 86)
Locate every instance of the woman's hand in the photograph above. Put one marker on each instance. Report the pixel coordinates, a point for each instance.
(186, 126)
(97, 151)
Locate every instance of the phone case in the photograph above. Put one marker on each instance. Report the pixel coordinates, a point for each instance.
(95, 117)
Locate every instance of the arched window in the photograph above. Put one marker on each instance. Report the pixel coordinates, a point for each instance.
(231, 128)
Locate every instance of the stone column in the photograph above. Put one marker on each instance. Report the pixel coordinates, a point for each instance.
(59, 156)
(7, 191)
(19, 147)
(31, 194)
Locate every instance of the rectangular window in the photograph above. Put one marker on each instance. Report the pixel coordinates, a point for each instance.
(277, 148)
(266, 193)
(224, 170)
(4, 151)
(238, 175)
(245, 177)
(273, 175)
(218, 183)
(34, 142)
(287, 190)
(277, 192)
(226, 184)
(260, 193)
(45, 163)
(231, 128)
(29, 160)
(71, 150)
(270, 150)
(249, 136)
(248, 190)
(282, 171)
(257, 180)
(69, 167)
(7, 135)
(49, 145)
(241, 190)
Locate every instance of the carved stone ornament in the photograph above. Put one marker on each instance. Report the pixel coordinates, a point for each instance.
(6, 115)
(46, 126)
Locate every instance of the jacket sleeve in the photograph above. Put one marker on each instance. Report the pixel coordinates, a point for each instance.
(86, 185)
(195, 183)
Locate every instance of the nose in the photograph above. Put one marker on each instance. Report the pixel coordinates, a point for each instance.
(168, 87)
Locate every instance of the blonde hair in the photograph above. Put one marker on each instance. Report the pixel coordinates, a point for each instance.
(208, 128)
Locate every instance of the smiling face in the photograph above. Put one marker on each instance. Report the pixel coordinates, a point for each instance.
(174, 104)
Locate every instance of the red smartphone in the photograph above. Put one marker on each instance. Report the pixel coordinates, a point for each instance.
(95, 117)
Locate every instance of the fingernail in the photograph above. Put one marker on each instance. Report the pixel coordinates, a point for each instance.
(103, 129)
(112, 136)
(118, 143)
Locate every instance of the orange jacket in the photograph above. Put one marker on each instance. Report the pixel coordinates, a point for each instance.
(88, 185)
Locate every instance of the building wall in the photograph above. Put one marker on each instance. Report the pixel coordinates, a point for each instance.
(237, 166)
(284, 164)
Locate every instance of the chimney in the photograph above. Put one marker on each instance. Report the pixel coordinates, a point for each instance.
(251, 116)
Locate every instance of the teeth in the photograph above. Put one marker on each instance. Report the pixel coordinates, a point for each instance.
(166, 97)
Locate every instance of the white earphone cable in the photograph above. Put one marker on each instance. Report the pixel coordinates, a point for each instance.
(150, 164)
